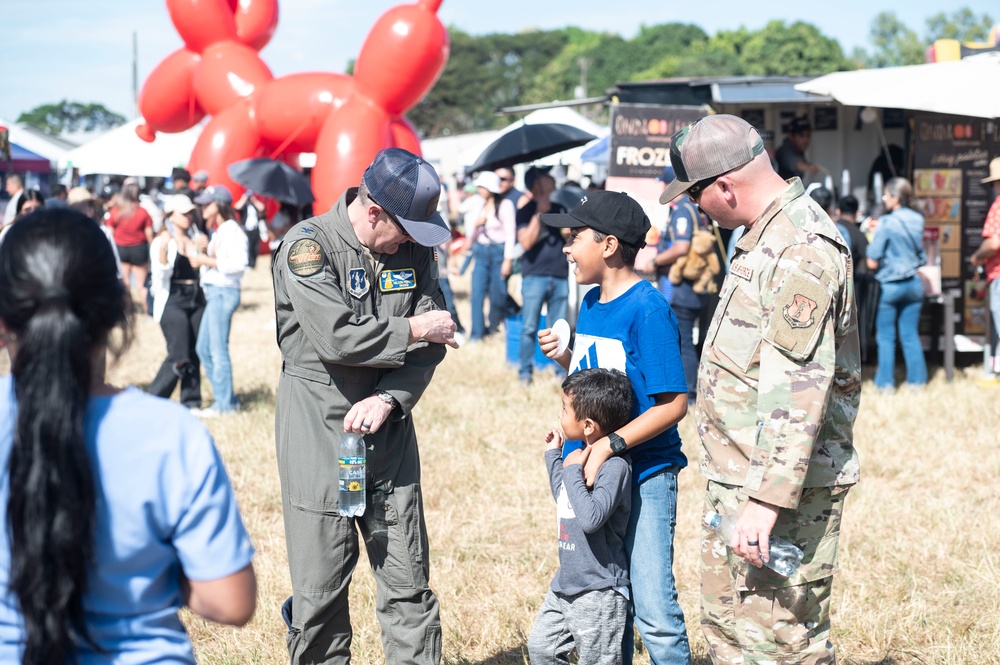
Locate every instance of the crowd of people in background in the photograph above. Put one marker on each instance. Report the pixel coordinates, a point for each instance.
(180, 248)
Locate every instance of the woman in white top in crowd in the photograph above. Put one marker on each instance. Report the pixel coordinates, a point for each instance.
(222, 265)
(178, 301)
(494, 245)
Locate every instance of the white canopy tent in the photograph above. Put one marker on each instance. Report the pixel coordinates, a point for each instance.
(122, 152)
(969, 87)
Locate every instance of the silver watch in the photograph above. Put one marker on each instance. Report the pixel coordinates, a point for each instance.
(387, 398)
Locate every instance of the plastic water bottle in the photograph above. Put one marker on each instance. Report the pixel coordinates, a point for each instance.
(352, 475)
(785, 557)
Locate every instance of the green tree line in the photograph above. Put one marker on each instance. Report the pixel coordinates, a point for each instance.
(487, 72)
(536, 66)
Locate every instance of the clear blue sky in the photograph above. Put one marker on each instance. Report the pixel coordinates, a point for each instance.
(81, 50)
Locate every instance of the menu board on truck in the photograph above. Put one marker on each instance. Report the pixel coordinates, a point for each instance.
(640, 147)
(951, 154)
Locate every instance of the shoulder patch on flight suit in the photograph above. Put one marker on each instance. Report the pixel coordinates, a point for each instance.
(401, 279)
(358, 286)
(305, 258)
(800, 310)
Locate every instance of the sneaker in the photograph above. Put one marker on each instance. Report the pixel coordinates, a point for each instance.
(206, 413)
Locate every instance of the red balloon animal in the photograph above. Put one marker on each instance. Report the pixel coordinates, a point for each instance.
(345, 120)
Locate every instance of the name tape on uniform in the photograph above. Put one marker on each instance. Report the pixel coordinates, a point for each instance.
(403, 279)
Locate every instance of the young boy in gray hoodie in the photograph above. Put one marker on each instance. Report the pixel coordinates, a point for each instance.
(586, 606)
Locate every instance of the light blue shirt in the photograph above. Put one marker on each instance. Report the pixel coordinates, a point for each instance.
(164, 504)
(898, 245)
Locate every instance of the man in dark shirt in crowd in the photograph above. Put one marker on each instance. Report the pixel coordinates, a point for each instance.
(865, 294)
(791, 156)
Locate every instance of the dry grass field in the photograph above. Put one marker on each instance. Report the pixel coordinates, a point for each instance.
(920, 551)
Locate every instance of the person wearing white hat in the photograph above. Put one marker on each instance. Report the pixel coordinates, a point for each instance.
(178, 302)
(493, 239)
(988, 256)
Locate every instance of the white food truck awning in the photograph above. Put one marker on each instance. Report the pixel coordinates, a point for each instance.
(969, 87)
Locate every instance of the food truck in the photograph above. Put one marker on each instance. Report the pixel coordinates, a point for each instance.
(859, 142)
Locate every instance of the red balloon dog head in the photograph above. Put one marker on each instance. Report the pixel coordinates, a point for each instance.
(344, 120)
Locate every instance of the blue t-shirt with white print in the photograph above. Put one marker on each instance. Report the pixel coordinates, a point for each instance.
(635, 333)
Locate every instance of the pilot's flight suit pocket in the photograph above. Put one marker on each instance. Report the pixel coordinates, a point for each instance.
(395, 543)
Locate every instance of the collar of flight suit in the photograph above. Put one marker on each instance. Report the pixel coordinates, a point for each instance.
(340, 221)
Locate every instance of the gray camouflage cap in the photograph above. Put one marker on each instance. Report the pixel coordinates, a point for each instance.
(708, 148)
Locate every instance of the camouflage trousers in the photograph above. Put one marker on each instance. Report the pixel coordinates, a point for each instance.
(755, 616)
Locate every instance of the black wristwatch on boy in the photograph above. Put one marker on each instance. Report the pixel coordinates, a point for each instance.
(617, 443)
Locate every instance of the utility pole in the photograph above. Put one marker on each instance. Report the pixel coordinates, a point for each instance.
(135, 73)
(581, 90)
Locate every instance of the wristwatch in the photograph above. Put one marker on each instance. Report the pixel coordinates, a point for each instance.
(617, 443)
(387, 398)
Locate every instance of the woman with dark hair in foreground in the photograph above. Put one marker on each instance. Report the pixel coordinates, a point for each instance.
(118, 507)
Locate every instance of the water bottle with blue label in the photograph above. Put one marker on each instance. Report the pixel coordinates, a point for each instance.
(352, 475)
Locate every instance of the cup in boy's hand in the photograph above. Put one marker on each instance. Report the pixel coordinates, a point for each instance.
(551, 344)
(561, 330)
(555, 439)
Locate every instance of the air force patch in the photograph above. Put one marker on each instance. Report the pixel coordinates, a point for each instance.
(799, 312)
(403, 279)
(359, 285)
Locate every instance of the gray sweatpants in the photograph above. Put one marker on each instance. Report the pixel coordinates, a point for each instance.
(591, 623)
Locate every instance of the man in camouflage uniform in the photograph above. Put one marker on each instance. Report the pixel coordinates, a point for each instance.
(778, 391)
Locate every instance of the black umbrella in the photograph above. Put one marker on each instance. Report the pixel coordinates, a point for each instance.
(528, 143)
(274, 179)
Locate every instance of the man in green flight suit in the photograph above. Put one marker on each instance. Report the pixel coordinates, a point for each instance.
(778, 391)
(361, 326)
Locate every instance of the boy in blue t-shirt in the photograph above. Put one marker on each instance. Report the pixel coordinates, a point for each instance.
(586, 608)
(627, 325)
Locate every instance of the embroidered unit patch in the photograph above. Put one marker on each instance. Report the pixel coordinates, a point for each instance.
(359, 285)
(404, 279)
(305, 258)
(799, 312)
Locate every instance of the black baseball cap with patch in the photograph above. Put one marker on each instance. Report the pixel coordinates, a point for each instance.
(408, 187)
(613, 213)
(708, 148)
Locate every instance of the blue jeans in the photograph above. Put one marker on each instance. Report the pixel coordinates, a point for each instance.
(449, 302)
(213, 343)
(537, 290)
(900, 305)
(486, 279)
(994, 303)
(686, 317)
(665, 286)
(650, 545)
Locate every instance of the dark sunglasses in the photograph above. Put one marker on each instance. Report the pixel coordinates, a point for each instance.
(505, 179)
(392, 218)
(695, 190)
